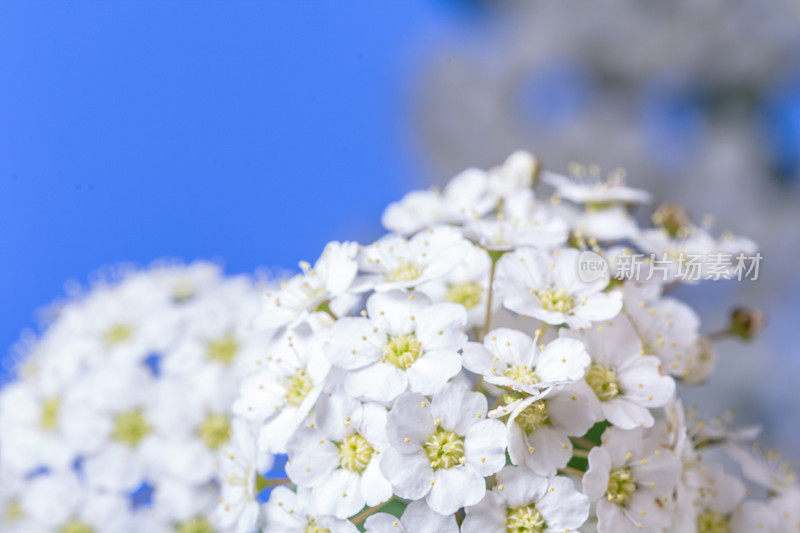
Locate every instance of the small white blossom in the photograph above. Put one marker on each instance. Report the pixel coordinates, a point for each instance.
(323, 284)
(339, 454)
(442, 448)
(631, 481)
(523, 501)
(395, 262)
(626, 381)
(546, 286)
(403, 342)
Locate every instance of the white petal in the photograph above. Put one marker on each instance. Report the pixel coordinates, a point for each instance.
(410, 474)
(595, 480)
(458, 407)
(339, 494)
(487, 516)
(626, 414)
(382, 382)
(409, 423)
(392, 310)
(311, 457)
(563, 507)
(419, 517)
(354, 343)
(441, 327)
(429, 373)
(562, 359)
(485, 446)
(454, 488)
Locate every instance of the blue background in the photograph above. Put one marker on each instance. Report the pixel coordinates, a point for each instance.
(253, 132)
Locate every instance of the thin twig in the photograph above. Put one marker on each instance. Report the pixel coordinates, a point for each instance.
(571, 471)
(366, 513)
(586, 444)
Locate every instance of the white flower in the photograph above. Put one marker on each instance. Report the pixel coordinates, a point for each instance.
(467, 284)
(546, 286)
(787, 508)
(706, 498)
(524, 501)
(442, 448)
(238, 509)
(765, 468)
(669, 329)
(403, 342)
(285, 391)
(538, 425)
(417, 518)
(510, 358)
(331, 276)
(593, 190)
(631, 482)
(339, 455)
(395, 262)
(626, 382)
(520, 222)
(289, 512)
(470, 195)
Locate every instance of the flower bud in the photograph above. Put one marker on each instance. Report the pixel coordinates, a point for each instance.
(746, 322)
(673, 219)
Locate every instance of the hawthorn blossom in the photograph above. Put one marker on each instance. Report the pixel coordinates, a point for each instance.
(394, 262)
(442, 448)
(546, 286)
(467, 284)
(631, 482)
(282, 394)
(319, 287)
(626, 381)
(523, 501)
(339, 454)
(238, 509)
(402, 343)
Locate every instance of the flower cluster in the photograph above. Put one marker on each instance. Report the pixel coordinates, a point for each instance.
(121, 409)
(460, 374)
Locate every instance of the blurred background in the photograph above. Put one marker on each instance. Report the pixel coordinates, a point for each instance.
(254, 132)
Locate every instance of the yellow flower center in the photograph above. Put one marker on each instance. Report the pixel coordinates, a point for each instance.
(467, 294)
(182, 293)
(13, 512)
(195, 525)
(116, 334)
(130, 427)
(75, 526)
(620, 486)
(710, 522)
(402, 350)
(525, 519)
(313, 527)
(603, 381)
(556, 300)
(522, 374)
(215, 431)
(223, 349)
(355, 453)
(444, 448)
(297, 388)
(48, 419)
(533, 417)
(404, 272)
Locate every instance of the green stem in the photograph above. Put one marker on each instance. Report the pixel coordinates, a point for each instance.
(577, 452)
(366, 513)
(495, 255)
(586, 444)
(571, 471)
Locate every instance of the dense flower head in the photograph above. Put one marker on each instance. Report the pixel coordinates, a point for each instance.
(466, 372)
(122, 406)
(478, 380)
